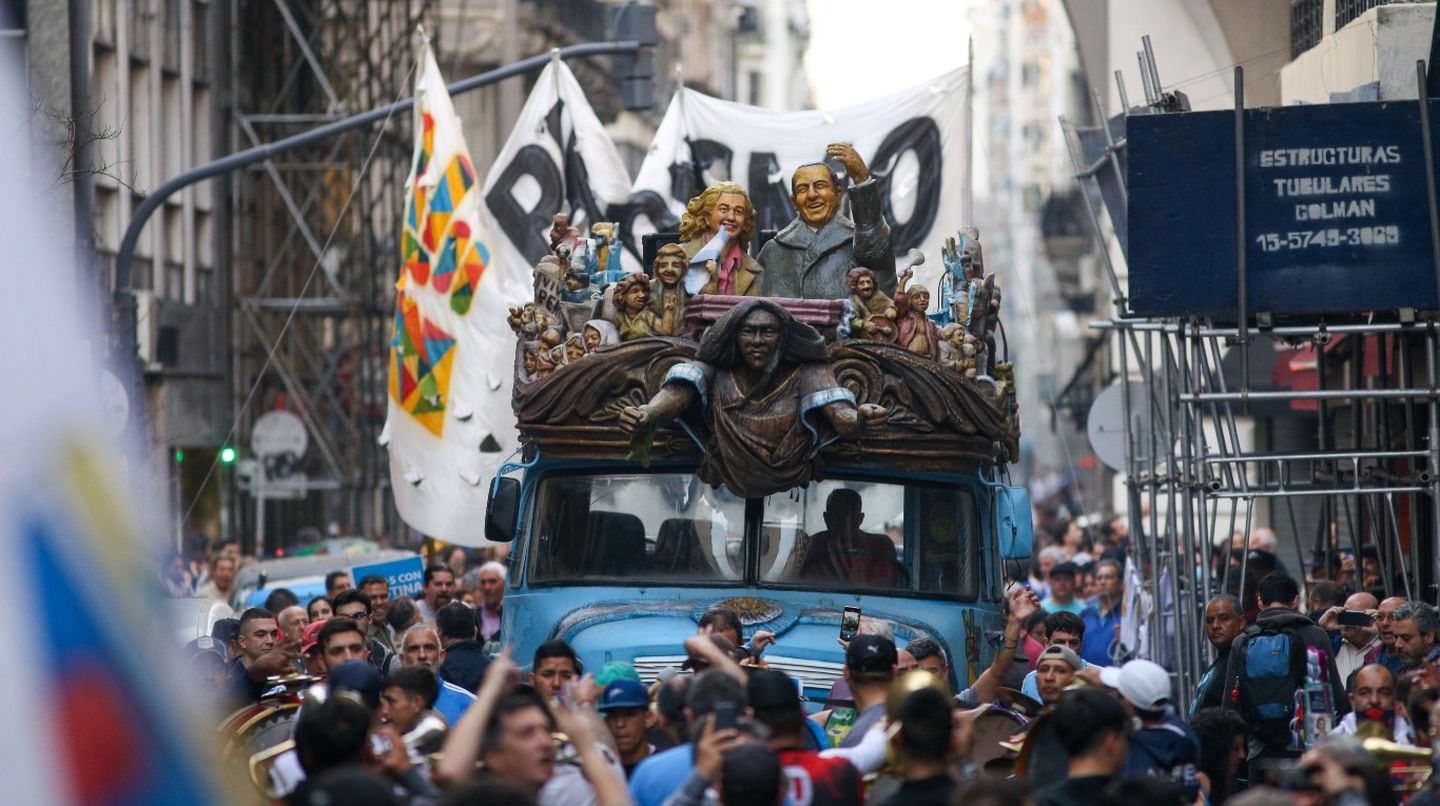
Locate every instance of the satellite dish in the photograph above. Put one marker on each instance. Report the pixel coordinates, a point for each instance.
(278, 432)
(1107, 427)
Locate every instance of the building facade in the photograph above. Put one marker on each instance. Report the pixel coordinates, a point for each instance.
(270, 288)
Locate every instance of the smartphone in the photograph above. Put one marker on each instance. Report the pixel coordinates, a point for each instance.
(725, 715)
(849, 623)
(1354, 618)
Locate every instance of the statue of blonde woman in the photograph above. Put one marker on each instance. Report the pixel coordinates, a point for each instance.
(719, 225)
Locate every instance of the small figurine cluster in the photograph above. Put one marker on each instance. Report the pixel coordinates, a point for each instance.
(899, 320)
(960, 335)
(547, 345)
(585, 302)
(969, 308)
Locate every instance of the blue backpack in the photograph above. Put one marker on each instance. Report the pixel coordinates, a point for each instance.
(1269, 677)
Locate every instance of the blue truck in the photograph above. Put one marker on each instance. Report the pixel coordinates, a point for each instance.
(619, 547)
(621, 564)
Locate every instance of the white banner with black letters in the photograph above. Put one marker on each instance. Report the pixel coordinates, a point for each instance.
(915, 141)
(558, 159)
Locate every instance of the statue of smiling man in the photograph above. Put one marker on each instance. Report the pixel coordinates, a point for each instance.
(812, 256)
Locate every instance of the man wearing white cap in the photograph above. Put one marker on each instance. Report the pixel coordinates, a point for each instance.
(1162, 745)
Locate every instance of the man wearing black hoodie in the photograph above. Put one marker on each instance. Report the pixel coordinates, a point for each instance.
(1268, 665)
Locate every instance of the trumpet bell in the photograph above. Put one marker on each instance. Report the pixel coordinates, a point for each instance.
(1387, 751)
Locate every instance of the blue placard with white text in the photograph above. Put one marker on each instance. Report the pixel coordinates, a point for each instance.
(1336, 215)
(406, 577)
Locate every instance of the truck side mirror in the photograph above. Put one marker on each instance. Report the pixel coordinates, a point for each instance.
(1014, 525)
(502, 510)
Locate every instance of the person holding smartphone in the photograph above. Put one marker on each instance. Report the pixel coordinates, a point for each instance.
(1359, 640)
(870, 662)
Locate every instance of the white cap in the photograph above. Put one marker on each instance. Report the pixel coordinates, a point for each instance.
(1144, 683)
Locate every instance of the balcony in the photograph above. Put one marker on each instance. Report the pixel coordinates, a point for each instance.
(1346, 11)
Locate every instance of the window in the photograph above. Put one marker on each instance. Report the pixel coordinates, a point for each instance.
(673, 529)
(1307, 24)
(668, 528)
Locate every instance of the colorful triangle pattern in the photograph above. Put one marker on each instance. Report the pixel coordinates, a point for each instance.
(438, 250)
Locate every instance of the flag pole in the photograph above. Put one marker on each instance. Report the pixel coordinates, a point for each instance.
(967, 199)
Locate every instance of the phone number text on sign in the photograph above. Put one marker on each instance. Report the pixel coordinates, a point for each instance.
(1332, 237)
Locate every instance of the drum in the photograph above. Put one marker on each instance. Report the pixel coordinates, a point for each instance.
(261, 725)
(260, 729)
(994, 726)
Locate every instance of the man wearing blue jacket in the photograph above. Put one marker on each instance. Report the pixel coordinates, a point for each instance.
(1163, 745)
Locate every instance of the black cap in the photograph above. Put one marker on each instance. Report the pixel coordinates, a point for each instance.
(772, 692)
(360, 677)
(225, 630)
(1066, 568)
(871, 656)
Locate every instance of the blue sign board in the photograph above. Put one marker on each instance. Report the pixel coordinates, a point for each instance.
(1335, 211)
(406, 576)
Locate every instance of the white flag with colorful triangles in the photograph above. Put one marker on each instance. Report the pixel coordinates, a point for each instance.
(451, 352)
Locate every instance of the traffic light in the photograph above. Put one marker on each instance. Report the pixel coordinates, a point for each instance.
(179, 456)
(636, 71)
(227, 455)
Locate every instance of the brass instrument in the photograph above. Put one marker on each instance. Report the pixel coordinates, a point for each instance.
(259, 769)
(1416, 766)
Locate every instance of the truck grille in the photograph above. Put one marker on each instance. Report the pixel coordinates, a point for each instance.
(812, 674)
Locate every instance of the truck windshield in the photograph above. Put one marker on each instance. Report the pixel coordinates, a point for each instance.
(661, 526)
(674, 529)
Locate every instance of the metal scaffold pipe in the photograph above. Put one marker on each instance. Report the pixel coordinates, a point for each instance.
(1316, 394)
(1279, 331)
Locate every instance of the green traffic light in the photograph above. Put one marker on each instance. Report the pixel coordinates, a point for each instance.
(227, 455)
(179, 456)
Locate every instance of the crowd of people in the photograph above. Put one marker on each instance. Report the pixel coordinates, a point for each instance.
(422, 702)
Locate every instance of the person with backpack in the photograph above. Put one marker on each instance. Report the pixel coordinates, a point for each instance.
(1268, 666)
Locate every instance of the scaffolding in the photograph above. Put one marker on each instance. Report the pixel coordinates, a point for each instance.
(314, 252)
(1351, 425)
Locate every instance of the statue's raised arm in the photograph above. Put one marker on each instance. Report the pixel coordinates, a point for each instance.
(812, 256)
